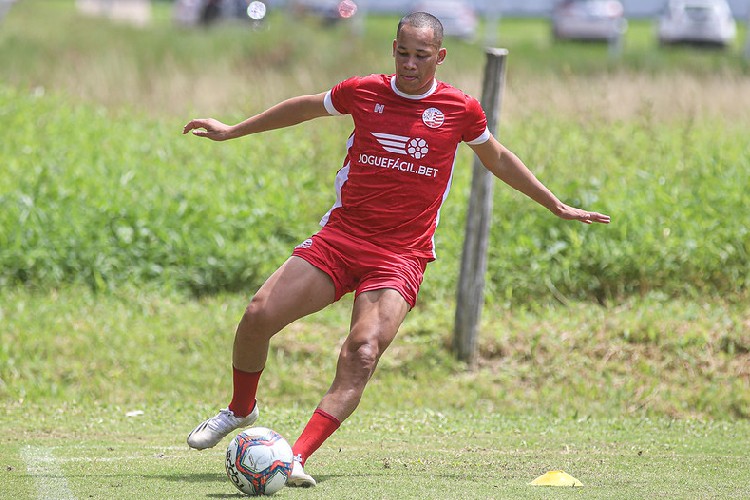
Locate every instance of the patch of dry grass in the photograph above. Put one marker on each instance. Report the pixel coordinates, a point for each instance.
(678, 359)
(627, 96)
(161, 70)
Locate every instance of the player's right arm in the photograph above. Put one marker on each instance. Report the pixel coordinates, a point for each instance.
(285, 114)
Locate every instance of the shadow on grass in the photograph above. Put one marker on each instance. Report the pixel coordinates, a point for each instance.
(206, 478)
(195, 478)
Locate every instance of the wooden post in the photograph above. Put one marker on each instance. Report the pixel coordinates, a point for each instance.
(470, 296)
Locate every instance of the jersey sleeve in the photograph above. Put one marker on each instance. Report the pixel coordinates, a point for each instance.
(338, 100)
(475, 129)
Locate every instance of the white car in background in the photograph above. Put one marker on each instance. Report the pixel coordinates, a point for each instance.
(602, 20)
(708, 22)
(206, 12)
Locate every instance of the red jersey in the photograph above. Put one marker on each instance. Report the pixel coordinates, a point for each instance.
(400, 157)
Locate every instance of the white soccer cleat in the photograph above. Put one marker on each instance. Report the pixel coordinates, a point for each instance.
(211, 431)
(298, 478)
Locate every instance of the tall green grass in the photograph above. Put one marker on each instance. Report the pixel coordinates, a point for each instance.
(104, 198)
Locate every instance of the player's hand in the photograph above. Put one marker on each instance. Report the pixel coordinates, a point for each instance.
(571, 213)
(208, 127)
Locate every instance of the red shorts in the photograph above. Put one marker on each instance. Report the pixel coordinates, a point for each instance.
(358, 265)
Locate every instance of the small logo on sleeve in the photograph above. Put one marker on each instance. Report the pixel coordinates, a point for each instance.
(306, 244)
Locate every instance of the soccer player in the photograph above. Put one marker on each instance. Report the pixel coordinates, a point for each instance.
(377, 238)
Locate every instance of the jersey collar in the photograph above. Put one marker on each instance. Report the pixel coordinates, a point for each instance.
(409, 96)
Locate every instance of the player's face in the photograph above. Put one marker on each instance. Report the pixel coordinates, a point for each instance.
(417, 57)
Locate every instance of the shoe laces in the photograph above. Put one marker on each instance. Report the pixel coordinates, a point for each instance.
(225, 421)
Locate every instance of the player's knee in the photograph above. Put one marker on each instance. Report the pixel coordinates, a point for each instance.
(363, 357)
(256, 317)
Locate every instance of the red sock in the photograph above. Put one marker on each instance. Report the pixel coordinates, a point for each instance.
(319, 428)
(245, 386)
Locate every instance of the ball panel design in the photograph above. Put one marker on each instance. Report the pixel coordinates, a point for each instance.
(259, 461)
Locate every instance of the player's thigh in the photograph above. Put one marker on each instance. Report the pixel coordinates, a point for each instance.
(376, 317)
(294, 290)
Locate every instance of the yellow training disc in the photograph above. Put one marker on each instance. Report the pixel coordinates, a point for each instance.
(556, 478)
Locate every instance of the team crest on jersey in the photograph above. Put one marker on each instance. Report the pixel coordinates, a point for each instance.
(416, 147)
(433, 117)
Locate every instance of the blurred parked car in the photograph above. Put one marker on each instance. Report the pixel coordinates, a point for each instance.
(588, 20)
(707, 22)
(458, 17)
(329, 11)
(206, 12)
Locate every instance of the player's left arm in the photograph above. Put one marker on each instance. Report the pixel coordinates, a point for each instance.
(507, 167)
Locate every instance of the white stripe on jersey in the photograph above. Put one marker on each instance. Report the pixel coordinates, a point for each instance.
(341, 177)
(483, 137)
(445, 197)
(391, 142)
(400, 138)
(328, 103)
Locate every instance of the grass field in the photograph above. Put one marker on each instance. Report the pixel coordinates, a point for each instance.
(620, 354)
(404, 454)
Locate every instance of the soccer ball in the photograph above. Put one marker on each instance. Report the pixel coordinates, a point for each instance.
(259, 461)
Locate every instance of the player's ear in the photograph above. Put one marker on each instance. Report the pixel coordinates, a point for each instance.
(441, 55)
(394, 48)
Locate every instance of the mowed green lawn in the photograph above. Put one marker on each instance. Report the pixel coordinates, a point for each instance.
(619, 354)
(408, 454)
(101, 391)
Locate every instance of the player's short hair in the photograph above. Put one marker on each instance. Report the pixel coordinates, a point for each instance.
(423, 20)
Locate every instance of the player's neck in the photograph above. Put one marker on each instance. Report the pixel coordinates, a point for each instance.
(420, 93)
